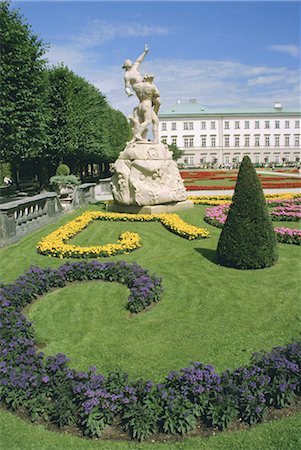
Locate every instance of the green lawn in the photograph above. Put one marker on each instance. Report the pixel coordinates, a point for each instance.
(208, 313)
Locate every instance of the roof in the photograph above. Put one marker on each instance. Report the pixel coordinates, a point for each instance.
(196, 109)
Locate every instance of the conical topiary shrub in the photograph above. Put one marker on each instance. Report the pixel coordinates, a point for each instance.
(248, 240)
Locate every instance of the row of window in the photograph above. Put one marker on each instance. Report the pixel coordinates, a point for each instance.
(188, 141)
(257, 158)
(237, 124)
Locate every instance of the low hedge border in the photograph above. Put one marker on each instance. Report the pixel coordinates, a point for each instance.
(48, 388)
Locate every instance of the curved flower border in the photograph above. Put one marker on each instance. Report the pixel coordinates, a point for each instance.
(217, 216)
(55, 243)
(48, 388)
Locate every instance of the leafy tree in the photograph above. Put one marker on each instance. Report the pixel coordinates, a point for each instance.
(176, 151)
(248, 240)
(22, 95)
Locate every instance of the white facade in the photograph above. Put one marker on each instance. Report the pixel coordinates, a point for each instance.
(269, 137)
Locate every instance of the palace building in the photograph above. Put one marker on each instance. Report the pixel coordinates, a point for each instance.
(223, 137)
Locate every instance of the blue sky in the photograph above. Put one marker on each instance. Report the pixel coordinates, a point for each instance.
(224, 54)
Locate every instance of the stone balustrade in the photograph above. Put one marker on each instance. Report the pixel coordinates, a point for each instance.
(20, 217)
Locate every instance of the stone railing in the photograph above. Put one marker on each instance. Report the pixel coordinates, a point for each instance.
(20, 217)
(81, 196)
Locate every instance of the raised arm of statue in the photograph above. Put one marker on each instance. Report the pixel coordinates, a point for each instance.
(142, 56)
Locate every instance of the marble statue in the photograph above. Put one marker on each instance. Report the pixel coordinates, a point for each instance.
(145, 174)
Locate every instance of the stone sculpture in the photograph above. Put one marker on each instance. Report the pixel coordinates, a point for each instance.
(145, 174)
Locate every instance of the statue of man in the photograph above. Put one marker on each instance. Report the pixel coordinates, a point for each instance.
(148, 95)
(132, 74)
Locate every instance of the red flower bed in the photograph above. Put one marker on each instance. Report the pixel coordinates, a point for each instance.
(208, 188)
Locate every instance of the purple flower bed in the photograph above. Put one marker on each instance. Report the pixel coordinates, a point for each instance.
(49, 388)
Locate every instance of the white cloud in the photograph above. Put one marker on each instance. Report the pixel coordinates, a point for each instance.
(213, 83)
(291, 49)
(100, 31)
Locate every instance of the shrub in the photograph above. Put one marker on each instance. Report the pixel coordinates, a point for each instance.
(63, 169)
(248, 240)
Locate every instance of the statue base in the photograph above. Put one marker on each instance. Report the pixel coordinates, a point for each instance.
(151, 209)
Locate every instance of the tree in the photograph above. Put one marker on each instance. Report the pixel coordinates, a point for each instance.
(248, 240)
(176, 151)
(22, 94)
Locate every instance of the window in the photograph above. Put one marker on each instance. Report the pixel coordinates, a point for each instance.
(286, 140)
(257, 158)
(226, 160)
(256, 124)
(186, 160)
(267, 140)
(163, 126)
(226, 125)
(188, 125)
(203, 125)
(203, 141)
(236, 141)
(277, 123)
(227, 141)
(164, 139)
(188, 141)
(277, 140)
(247, 124)
(277, 158)
(266, 159)
(236, 124)
(297, 123)
(257, 143)
(203, 160)
(213, 141)
(297, 140)
(174, 140)
(212, 125)
(191, 160)
(267, 124)
(247, 140)
(173, 126)
(287, 124)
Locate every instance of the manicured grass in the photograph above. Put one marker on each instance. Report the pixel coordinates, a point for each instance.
(208, 313)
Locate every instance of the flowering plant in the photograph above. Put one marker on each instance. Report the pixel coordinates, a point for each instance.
(55, 243)
(48, 388)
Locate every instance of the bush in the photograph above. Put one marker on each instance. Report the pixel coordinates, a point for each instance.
(248, 240)
(63, 169)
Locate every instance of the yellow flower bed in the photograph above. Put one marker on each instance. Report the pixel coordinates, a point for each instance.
(55, 243)
(223, 199)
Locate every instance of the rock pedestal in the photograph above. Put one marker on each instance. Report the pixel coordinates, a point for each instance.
(145, 175)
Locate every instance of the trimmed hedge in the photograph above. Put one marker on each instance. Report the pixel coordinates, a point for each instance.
(248, 240)
(48, 388)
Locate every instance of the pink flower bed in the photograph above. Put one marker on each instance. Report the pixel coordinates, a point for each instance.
(217, 216)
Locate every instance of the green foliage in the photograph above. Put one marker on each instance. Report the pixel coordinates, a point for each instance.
(179, 417)
(248, 240)
(63, 169)
(176, 151)
(22, 97)
(141, 419)
(65, 180)
(5, 171)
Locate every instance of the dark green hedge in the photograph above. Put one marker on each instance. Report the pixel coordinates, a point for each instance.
(248, 240)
